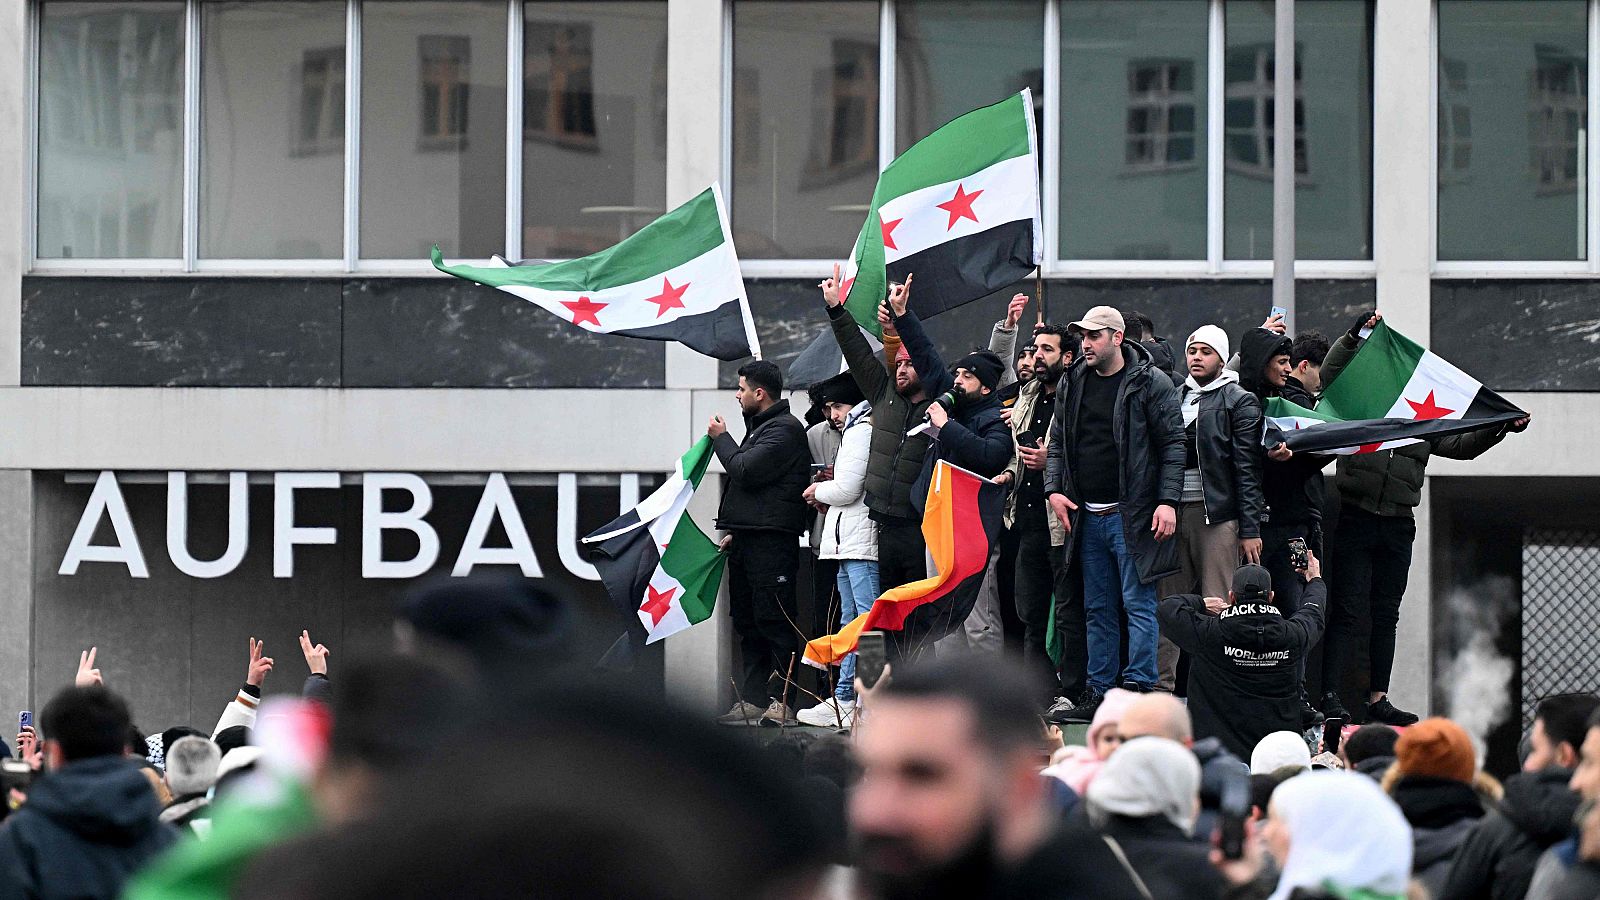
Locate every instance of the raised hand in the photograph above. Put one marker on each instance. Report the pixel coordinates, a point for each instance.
(87, 673)
(831, 293)
(28, 748)
(316, 654)
(1275, 322)
(1014, 309)
(900, 296)
(259, 665)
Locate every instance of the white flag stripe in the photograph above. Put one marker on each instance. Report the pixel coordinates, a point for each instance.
(1451, 388)
(650, 508)
(674, 619)
(1008, 196)
(712, 278)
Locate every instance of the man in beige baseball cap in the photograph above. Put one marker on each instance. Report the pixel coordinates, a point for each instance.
(1098, 318)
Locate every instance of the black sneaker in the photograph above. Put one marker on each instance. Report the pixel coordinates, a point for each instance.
(1310, 716)
(1333, 707)
(1080, 709)
(1134, 687)
(1387, 713)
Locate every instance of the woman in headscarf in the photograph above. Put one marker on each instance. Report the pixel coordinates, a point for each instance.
(1144, 802)
(1077, 766)
(1335, 836)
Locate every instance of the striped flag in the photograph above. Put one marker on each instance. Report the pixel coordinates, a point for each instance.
(961, 524)
(676, 279)
(1393, 392)
(960, 209)
(655, 562)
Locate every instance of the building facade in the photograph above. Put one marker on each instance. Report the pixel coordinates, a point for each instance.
(219, 212)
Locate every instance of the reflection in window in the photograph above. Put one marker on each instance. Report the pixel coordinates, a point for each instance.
(321, 102)
(1513, 100)
(594, 123)
(805, 94)
(110, 130)
(1133, 181)
(953, 56)
(433, 128)
(1249, 113)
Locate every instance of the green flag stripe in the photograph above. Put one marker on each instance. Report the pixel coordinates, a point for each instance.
(1279, 408)
(694, 462)
(967, 144)
(681, 235)
(695, 562)
(1374, 378)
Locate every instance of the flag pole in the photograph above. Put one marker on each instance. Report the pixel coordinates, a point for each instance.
(1038, 293)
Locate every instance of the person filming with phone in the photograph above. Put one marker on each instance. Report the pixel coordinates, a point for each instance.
(1245, 654)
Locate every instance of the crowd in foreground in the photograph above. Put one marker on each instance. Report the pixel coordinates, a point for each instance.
(482, 758)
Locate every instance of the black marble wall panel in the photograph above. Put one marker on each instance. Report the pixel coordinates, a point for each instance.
(1521, 335)
(409, 332)
(180, 332)
(789, 312)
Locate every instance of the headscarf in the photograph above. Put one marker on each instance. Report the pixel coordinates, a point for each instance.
(1148, 776)
(1345, 835)
(1279, 750)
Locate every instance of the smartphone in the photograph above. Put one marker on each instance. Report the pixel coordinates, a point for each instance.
(870, 656)
(24, 719)
(1232, 816)
(1279, 311)
(1332, 734)
(1027, 439)
(1299, 554)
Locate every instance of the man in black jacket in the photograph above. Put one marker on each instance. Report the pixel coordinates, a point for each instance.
(92, 821)
(763, 513)
(1220, 520)
(1114, 476)
(1245, 655)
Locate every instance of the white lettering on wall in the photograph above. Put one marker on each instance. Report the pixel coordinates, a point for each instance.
(374, 521)
(286, 534)
(178, 527)
(497, 502)
(567, 519)
(105, 502)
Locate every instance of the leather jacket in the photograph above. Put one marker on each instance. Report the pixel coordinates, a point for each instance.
(1227, 435)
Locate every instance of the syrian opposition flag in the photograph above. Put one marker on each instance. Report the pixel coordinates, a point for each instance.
(655, 562)
(961, 524)
(1393, 392)
(676, 279)
(960, 209)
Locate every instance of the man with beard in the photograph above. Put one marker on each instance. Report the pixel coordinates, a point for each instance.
(1040, 537)
(899, 403)
(951, 803)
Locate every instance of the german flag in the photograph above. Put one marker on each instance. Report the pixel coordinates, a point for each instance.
(961, 525)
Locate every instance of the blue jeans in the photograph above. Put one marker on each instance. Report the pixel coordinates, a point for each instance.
(858, 587)
(1111, 586)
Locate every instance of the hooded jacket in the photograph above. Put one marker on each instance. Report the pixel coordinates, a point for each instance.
(84, 830)
(1389, 482)
(1285, 485)
(975, 438)
(896, 458)
(1227, 434)
(1244, 678)
(1148, 431)
(1497, 860)
(1442, 812)
(767, 473)
(848, 532)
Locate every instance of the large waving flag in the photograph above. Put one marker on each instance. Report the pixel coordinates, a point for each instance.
(676, 279)
(960, 209)
(961, 524)
(655, 562)
(1393, 392)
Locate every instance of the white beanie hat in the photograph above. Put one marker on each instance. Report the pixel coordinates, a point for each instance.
(1280, 750)
(1211, 335)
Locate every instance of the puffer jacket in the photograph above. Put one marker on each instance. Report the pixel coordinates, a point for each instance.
(1285, 484)
(1028, 399)
(975, 438)
(1389, 482)
(1228, 442)
(849, 532)
(767, 473)
(1497, 860)
(1148, 431)
(896, 459)
(1442, 812)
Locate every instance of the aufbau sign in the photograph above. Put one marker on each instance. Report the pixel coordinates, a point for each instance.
(106, 513)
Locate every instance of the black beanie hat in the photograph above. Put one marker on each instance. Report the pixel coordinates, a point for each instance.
(841, 388)
(984, 364)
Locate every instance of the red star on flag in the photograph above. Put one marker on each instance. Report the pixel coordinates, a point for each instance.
(669, 298)
(1428, 409)
(585, 310)
(888, 232)
(844, 290)
(960, 206)
(657, 604)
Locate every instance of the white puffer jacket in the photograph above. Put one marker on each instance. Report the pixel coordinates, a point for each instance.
(847, 532)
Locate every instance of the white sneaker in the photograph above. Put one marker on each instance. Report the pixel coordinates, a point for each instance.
(829, 714)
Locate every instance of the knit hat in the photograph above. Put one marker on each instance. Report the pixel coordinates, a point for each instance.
(1280, 750)
(840, 388)
(1436, 747)
(1211, 336)
(902, 353)
(985, 365)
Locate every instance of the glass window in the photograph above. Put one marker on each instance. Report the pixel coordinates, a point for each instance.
(272, 130)
(1513, 95)
(1133, 129)
(433, 128)
(953, 56)
(110, 130)
(1333, 130)
(805, 126)
(594, 123)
